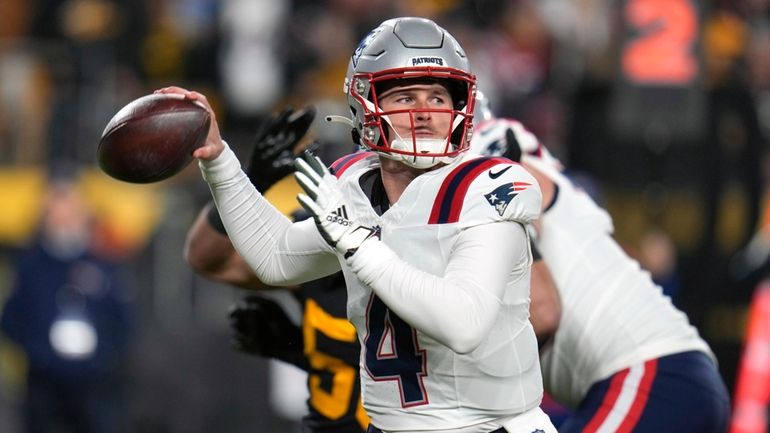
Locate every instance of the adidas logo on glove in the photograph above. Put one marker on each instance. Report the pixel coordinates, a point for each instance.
(339, 216)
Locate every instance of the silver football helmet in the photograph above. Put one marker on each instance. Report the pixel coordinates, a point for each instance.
(404, 49)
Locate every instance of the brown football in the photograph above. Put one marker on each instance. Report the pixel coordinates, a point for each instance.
(152, 138)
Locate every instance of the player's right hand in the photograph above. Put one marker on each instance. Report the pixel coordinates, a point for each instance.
(213, 146)
(272, 157)
(261, 327)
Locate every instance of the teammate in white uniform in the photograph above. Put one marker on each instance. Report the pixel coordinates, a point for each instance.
(433, 245)
(623, 356)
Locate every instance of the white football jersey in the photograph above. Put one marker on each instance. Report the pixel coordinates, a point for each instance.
(613, 315)
(410, 381)
(454, 261)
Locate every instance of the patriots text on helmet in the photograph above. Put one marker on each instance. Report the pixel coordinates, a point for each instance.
(419, 61)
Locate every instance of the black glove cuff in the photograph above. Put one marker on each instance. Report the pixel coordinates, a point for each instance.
(215, 221)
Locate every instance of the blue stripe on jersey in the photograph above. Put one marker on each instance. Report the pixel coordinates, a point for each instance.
(451, 195)
(339, 166)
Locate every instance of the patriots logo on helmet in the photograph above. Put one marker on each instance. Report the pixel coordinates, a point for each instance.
(364, 43)
(501, 197)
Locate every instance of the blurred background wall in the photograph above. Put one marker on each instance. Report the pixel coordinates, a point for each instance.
(661, 108)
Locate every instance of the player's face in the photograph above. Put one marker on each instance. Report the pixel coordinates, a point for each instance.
(419, 99)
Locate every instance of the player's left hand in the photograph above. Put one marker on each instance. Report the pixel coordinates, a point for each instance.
(324, 201)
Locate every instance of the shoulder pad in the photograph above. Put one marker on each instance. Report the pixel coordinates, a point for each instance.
(487, 188)
(341, 165)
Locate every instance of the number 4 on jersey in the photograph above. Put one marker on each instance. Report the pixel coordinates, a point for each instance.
(392, 353)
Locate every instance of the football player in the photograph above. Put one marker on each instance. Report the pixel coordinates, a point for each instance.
(623, 356)
(432, 241)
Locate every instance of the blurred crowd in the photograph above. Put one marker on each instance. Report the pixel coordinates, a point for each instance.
(660, 108)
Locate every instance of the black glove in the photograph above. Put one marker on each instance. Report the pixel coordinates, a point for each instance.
(261, 327)
(272, 157)
(512, 148)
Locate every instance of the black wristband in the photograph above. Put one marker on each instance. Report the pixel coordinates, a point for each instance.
(215, 221)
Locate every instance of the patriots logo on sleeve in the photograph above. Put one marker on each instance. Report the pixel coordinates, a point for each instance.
(501, 197)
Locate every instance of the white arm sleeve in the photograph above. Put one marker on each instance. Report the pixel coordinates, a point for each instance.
(280, 252)
(459, 308)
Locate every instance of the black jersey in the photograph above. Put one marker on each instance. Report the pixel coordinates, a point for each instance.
(332, 350)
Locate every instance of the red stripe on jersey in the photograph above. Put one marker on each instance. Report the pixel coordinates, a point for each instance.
(521, 186)
(451, 196)
(616, 385)
(642, 394)
(339, 166)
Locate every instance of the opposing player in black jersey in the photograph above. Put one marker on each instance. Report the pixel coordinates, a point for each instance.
(325, 344)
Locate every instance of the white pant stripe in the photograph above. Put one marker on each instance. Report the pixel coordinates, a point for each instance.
(626, 398)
